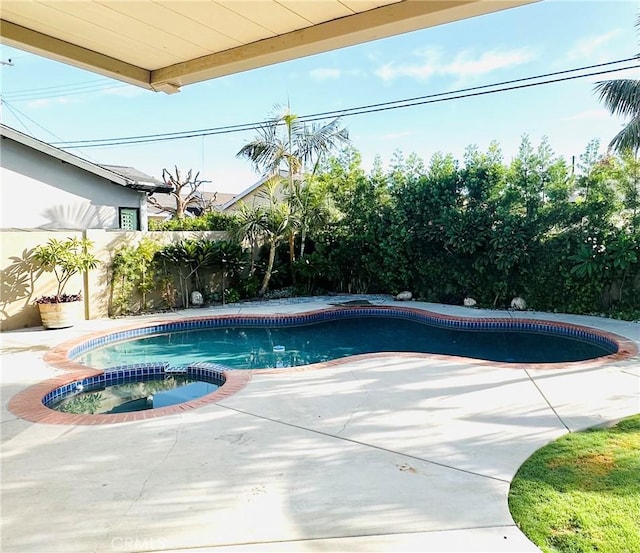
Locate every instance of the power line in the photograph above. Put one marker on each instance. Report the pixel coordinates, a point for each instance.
(15, 110)
(493, 85)
(321, 115)
(64, 92)
(371, 108)
(54, 87)
(3, 103)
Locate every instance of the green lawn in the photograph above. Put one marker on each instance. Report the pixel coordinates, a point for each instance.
(582, 492)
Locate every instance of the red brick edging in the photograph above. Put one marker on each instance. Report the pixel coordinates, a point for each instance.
(28, 403)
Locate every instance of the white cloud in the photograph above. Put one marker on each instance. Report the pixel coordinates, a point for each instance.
(390, 71)
(590, 46)
(325, 73)
(464, 64)
(46, 102)
(590, 115)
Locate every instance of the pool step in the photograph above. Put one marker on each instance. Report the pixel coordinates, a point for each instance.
(175, 370)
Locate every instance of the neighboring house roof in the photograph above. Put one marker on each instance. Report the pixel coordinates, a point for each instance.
(140, 178)
(221, 198)
(248, 191)
(147, 184)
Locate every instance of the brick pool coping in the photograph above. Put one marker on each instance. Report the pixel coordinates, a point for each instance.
(28, 404)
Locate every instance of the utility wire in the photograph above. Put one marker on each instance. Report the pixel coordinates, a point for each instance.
(485, 86)
(13, 108)
(81, 84)
(64, 93)
(371, 108)
(14, 111)
(3, 103)
(321, 115)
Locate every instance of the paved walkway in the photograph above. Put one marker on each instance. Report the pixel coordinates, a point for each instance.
(382, 454)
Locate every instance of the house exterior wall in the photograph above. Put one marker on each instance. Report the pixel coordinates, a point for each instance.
(256, 198)
(22, 280)
(42, 192)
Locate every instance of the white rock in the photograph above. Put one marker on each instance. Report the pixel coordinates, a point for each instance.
(196, 298)
(518, 303)
(469, 302)
(404, 296)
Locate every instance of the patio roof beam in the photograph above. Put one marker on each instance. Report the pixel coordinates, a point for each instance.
(66, 52)
(382, 22)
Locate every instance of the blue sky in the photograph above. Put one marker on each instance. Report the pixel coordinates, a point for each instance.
(72, 104)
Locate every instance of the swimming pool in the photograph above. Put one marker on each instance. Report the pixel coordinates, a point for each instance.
(290, 341)
(33, 403)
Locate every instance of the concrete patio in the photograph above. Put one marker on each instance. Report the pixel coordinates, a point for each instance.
(376, 454)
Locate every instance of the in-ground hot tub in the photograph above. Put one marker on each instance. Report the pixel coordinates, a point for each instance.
(313, 339)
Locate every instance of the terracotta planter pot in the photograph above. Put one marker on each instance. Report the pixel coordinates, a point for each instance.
(61, 315)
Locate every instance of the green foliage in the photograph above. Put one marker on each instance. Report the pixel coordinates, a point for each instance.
(133, 270)
(171, 270)
(565, 240)
(66, 258)
(231, 295)
(582, 492)
(192, 259)
(85, 404)
(214, 220)
(493, 231)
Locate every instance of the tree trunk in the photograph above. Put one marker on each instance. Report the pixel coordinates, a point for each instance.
(180, 207)
(267, 275)
(292, 251)
(252, 266)
(303, 239)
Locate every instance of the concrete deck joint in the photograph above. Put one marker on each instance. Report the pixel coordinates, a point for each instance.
(533, 381)
(364, 444)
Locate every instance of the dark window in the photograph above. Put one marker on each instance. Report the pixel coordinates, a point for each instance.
(129, 218)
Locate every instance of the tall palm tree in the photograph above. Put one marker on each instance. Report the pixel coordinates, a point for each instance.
(622, 97)
(286, 143)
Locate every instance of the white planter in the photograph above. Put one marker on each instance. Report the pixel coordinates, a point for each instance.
(61, 315)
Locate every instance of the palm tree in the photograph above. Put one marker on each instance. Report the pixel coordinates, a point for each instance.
(622, 97)
(274, 226)
(286, 143)
(314, 207)
(298, 149)
(250, 222)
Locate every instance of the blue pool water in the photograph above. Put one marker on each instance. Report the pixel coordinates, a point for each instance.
(134, 393)
(262, 346)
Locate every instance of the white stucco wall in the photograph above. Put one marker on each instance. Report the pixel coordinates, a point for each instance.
(42, 192)
(256, 198)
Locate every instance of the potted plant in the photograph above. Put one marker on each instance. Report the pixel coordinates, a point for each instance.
(64, 258)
